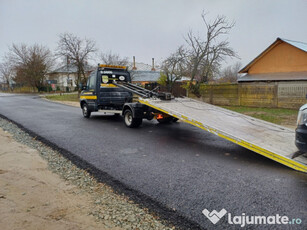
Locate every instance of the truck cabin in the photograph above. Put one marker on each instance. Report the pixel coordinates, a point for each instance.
(106, 95)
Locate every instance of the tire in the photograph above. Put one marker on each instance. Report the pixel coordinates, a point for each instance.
(130, 121)
(85, 111)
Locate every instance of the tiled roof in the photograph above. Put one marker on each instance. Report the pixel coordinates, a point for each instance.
(297, 44)
(150, 76)
(292, 76)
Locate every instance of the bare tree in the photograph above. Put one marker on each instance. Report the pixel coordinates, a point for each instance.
(110, 58)
(78, 51)
(7, 73)
(230, 74)
(30, 64)
(206, 54)
(173, 68)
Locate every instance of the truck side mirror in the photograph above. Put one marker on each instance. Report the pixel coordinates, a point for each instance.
(82, 86)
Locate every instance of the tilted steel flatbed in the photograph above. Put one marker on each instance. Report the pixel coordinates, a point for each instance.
(270, 140)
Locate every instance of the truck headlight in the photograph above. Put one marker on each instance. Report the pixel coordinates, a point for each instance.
(302, 117)
(122, 78)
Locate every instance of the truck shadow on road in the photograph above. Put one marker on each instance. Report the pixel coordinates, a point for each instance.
(108, 118)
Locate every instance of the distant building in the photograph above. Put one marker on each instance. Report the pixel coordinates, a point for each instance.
(144, 74)
(4, 86)
(284, 60)
(139, 66)
(65, 77)
(144, 77)
(277, 77)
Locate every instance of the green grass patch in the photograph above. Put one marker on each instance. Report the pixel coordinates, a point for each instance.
(274, 115)
(64, 97)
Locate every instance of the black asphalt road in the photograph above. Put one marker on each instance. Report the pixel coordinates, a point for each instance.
(180, 166)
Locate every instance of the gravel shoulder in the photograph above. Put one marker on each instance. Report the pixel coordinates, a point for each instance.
(40, 189)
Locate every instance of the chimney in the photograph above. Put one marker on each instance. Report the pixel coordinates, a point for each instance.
(153, 65)
(133, 68)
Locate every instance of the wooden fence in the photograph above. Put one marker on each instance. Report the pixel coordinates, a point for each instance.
(273, 95)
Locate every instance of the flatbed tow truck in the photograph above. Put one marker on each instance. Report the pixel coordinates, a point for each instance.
(109, 91)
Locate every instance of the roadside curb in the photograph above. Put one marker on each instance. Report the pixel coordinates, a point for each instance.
(58, 102)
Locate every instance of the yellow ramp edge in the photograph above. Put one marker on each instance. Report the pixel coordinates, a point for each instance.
(237, 128)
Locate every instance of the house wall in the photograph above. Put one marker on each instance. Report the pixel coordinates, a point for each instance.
(261, 94)
(281, 58)
(62, 80)
(4, 87)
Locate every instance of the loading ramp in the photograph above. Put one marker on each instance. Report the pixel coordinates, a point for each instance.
(270, 140)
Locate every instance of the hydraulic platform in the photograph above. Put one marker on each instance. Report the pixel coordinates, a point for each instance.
(270, 140)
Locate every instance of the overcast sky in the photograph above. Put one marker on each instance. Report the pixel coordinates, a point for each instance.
(150, 28)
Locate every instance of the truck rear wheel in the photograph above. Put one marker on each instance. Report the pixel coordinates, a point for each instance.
(85, 111)
(130, 121)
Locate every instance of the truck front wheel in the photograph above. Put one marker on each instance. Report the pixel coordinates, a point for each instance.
(130, 121)
(85, 111)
